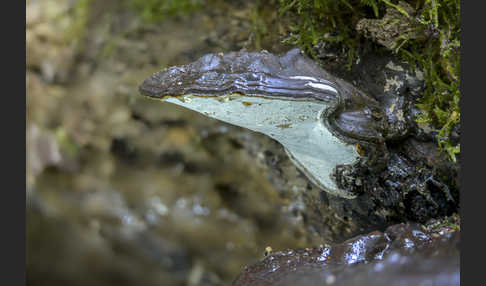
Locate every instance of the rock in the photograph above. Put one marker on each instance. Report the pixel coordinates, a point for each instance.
(405, 254)
(42, 151)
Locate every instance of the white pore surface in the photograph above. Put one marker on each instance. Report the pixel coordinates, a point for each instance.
(297, 125)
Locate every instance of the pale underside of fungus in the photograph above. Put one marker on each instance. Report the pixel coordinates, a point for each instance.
(318, 118)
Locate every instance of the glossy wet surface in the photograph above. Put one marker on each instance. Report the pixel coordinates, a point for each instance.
(402, 255)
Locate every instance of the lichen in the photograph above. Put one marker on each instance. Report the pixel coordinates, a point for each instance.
(431, 44)
(395, 28)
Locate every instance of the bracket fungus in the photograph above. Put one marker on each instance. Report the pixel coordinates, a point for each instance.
(323, 122)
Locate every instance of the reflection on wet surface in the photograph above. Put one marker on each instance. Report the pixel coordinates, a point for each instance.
(402, 255)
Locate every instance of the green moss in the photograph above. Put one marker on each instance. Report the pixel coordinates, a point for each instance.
(331, 21)
(258, 26)
(79, 19)
(439, 58)
(452, 222)
(67, 145)
(432, 45)
(156, 10)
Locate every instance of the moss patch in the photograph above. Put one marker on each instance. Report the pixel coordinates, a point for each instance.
(156, 10)
(425, 33)
(76, 30)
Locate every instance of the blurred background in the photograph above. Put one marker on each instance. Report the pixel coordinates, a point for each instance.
(122, 190)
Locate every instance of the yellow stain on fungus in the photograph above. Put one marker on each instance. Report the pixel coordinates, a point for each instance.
(283, 126)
